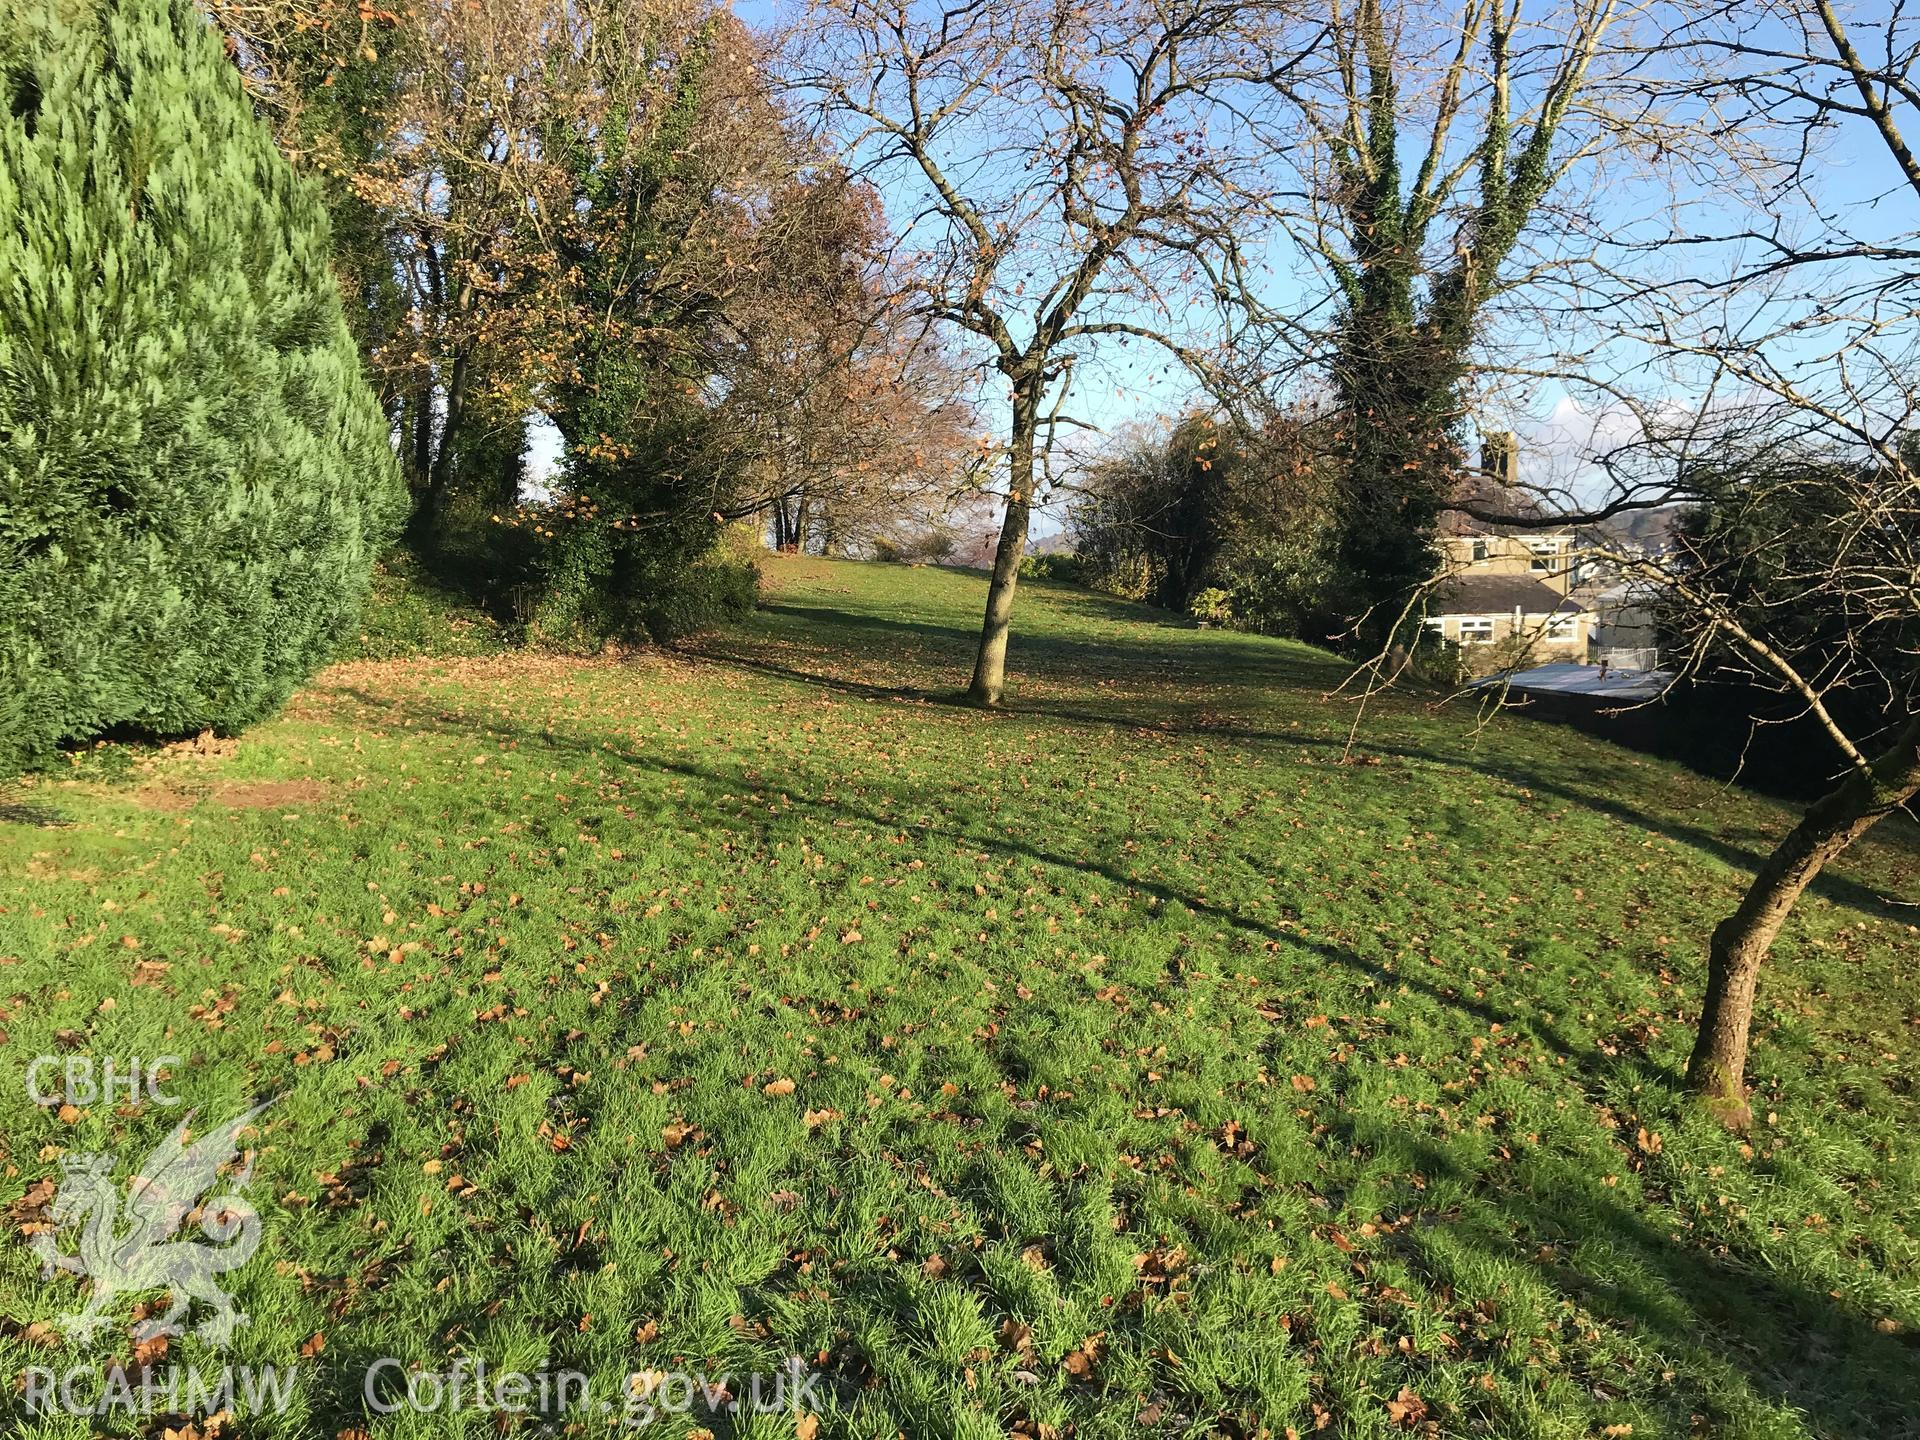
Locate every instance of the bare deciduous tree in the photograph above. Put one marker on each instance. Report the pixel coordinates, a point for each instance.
(839, 414)
(1082, 177)
(1797, 446)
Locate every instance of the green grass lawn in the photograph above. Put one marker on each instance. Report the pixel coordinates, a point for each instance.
(1122, 1064)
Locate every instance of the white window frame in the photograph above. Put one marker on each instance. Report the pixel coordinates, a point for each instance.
(1475, 629)
(1563, 627)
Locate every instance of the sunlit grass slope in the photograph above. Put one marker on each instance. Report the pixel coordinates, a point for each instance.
(1132, 1062)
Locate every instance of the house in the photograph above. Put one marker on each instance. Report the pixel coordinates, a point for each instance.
(1506, 596)
(1513, 616)
(1517, 595)
(1548, 557)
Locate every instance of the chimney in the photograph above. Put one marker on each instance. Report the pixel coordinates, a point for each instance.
(1500, 457)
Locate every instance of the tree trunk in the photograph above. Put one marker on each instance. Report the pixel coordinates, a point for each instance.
(426, 515)
(428, 463)
(423, 432)
(1741, 941)
(990, 666)
(441, 475)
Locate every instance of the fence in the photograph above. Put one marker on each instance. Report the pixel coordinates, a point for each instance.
(1629, 658)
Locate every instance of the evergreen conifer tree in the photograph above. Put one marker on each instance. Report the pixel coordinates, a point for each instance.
(194, 477)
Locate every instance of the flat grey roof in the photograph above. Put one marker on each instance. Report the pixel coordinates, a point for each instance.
(1564, 678)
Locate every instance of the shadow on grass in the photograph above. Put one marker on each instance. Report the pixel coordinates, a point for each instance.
(1740, 1328)
(1242, 662)
(43, 817)
(1831, 886)
(1224, 658)
(581, 747)
(1728, 1317)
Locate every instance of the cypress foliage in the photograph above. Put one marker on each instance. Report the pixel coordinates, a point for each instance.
(194, 476)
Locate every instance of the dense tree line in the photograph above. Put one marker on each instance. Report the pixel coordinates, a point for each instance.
(598, 215)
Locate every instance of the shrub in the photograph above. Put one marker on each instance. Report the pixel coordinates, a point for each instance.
(595, 584)
(1212, 606)
(720, 590)
(1128, 575)
(1066, 569)
(933, 545)
(480, 549)
(1436, 662)
(1506, 656)
(194, 477)
(1246, 515)
(407, 613)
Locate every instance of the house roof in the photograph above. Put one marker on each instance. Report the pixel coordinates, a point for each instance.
(1501, 595)
(1565, 679)
(1483, 492)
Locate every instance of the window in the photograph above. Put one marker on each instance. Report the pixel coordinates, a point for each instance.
(1479, 550)
(1563, 627)
(1476, 630)
(1546, 556)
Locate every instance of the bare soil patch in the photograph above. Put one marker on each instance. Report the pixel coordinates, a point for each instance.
(239, 795)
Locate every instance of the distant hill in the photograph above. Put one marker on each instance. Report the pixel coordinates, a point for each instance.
(976, 551)
(1648, 532)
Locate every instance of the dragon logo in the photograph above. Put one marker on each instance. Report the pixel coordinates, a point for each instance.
(130, 1251)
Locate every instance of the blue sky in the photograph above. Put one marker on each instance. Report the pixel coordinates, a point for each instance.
(1559, 424)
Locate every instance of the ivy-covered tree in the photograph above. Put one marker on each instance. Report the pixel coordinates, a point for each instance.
(659, 140)
(1424, 234)
(194, 476)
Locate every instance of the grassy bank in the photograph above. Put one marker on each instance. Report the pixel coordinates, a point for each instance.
(1126, 1063)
